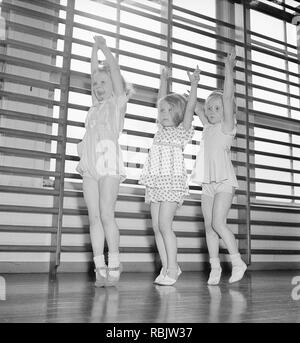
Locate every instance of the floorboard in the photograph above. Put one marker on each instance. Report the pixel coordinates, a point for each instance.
(262, 296)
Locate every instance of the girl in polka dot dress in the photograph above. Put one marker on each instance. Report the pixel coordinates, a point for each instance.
(164, 173)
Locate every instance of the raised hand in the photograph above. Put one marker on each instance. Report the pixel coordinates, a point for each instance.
(100, 41)
(195, 77)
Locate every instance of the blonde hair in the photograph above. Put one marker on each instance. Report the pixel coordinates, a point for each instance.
(128, 88)
(178, 103)
(219, 93)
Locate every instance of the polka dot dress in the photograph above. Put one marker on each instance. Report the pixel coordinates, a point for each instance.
(164, 173)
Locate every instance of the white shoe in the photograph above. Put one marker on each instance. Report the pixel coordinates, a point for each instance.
(238, 272)
(167, 280)
(161, 276)
(214, 276)
(101, 276)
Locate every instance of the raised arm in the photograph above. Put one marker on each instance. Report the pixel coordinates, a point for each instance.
(113, 66)
(228, 123)
(163, 87)
(94, 68)
(192, 100)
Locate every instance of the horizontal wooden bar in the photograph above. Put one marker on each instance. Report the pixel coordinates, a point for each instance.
(29, 99)
(28, 190)
(36, 118)
(255, 42)
(275, 238)
(271, 223)
(27, 248)
(29, 153)
(30, 135)
(21, 62)
(28, 209)
(28, 171)
(193, 22)
(39, 32)
(274, 252)
(29, 81)
(278, 196)
(141, 250)
(277, 209)
(27, 12)
(25, 46)
(27, 229)
(46, 4)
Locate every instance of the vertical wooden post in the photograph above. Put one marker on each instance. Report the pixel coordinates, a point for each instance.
(118, 30)
(238, 15)
(62, 132)
(242, 22)
(166, 12)
(296, 22)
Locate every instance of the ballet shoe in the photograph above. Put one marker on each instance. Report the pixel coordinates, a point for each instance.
(214, 276)
(100, 279)
(161, 276)
(112, 280)
(169, 281)
(238, 272)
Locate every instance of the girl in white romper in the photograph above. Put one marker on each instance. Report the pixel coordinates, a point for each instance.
(214, 171)
(164, 173)
(101, 164)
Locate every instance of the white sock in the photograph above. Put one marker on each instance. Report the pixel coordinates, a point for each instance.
(236, 260)
(216, 270)
(99, 261)
(114, 262)
(215, 263)
(238, 268)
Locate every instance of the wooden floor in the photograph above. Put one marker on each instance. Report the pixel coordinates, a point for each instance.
(260, 297)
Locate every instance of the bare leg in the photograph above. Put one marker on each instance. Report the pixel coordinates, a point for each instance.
(154, 208)
(222, 204)
(166, 214)
(212, 238)
(91, 197)
(108, 191)
(220, 212)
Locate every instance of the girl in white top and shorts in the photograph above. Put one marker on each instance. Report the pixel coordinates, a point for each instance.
(214, 171)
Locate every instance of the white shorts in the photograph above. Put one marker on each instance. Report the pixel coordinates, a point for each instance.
(211, 189)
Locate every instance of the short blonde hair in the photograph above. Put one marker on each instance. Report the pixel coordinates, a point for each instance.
(128, 88)
(178, 103)
(218, 93)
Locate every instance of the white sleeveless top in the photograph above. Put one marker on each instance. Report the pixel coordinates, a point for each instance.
(213, 162)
